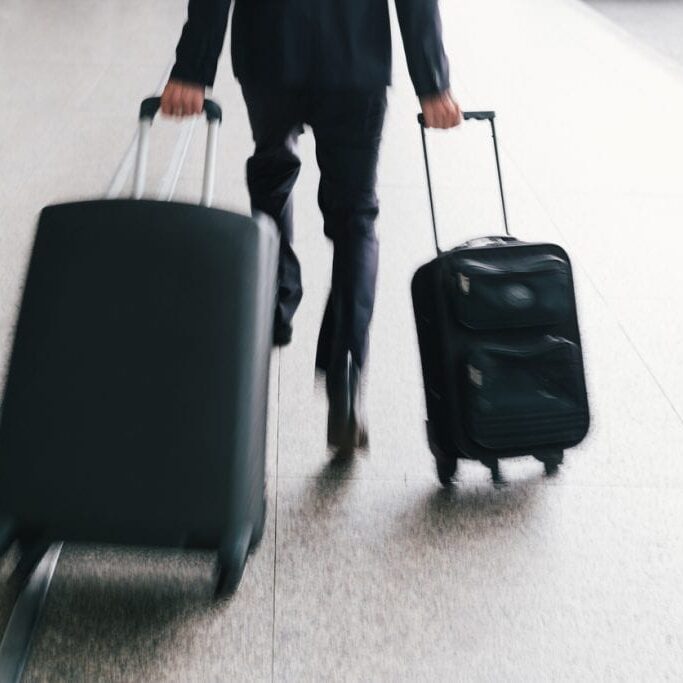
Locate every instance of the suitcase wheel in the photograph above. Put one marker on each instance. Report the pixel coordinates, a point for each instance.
(434, 446)
(232, 557)
(551, 460)
(259, 527)
(32, 552)
(494, 466)
(7, 536)
(445, 470)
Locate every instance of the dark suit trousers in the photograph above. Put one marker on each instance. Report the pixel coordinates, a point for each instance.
(347, 126)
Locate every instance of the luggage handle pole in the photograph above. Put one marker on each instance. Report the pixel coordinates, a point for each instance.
(468, 115)
(148, 110)
(420, 118)
(210, 162)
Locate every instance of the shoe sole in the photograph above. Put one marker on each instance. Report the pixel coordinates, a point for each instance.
(348, 440)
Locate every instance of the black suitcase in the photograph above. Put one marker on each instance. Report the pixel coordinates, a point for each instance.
(500, 347)
(135, 406)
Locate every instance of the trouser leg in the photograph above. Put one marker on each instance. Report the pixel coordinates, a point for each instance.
(272, 171)
(348, 128)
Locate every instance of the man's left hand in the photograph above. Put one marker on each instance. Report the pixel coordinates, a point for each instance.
(441, 111)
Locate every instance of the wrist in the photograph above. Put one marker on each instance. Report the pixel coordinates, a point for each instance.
(187, 84)
(436, 95)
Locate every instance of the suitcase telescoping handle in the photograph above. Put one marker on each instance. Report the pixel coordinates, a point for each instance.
(468, 116)
(148, 110)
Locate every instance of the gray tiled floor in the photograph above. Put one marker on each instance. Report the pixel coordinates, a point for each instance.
(404, 581)
(369, 571)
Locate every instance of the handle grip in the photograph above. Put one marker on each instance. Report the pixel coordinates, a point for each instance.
(148, 110)
(467, 115)
(479, 115)
(151, 105)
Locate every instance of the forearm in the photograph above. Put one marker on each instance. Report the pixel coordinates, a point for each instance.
(420, 22)
(201, 41)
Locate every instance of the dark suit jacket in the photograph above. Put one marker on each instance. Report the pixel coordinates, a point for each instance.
(325, 44)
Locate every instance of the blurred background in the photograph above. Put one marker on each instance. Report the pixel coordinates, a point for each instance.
(656, 22)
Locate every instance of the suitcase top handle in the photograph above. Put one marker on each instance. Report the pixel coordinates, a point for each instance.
(148, 110)
(468, 116)
(151, 105)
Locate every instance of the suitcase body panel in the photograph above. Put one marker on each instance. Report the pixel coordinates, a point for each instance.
(135, 405)
(448, 347)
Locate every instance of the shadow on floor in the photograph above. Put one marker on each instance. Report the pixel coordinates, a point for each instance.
(114, 604)
(481, 512)
(331, 484)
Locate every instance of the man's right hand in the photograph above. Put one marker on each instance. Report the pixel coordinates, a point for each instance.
(182, 99)
(441, 111)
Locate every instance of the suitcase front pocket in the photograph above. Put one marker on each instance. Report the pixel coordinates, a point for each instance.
(526, 396)
(524, 292)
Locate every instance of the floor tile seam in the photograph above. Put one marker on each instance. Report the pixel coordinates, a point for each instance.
(465, 486)
(275, 521)
(650, 371)
(92, 87)
(580, 261)
(638, 194)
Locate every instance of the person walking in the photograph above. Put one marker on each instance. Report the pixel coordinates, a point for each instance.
(325, 63)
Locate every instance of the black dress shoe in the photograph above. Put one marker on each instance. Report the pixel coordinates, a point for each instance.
(346, 421)
(282, 334)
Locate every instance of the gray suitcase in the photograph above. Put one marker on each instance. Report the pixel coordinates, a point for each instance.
(135, 406)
